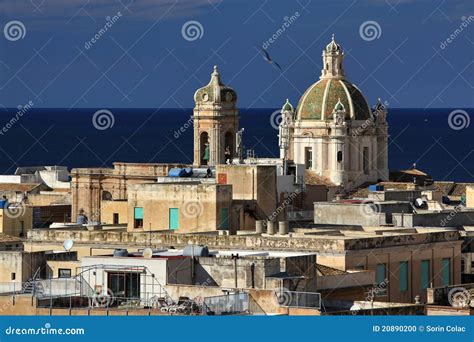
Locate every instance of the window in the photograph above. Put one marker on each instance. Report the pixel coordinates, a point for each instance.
(380, 274)
(224, 219)
(339, 156)
(425, 274)
(13, 276)
(446, 271)
(22, 228)
(116, 218)
(174, 219)
(64, 273)
(138, 218)
(124, 285)
(308, 157)
(365, 160)
(403, 278)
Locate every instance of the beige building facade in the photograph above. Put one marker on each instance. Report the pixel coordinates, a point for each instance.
(180, 207)
(90, 186)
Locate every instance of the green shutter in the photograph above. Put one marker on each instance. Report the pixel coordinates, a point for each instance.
(425, 274)
(138, 213)
(174, 219)
(403, 276)
(224, 219)
(446, 271)
(380, 274)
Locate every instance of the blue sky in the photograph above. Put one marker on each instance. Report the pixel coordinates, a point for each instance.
(143, 59)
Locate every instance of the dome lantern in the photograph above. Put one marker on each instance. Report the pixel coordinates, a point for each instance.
(333, 58)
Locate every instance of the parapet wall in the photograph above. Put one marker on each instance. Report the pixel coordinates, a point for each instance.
(334, 244)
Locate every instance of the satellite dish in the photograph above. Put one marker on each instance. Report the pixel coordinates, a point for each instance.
(68, 245)
(419, 202)
(147, 253)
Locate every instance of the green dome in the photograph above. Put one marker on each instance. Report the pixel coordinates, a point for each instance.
(319, 101)
(287, 106)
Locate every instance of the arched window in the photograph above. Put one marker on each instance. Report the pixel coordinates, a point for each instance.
(204, 148)
(339, 156)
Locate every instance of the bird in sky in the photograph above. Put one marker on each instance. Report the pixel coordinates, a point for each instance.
(269, 59)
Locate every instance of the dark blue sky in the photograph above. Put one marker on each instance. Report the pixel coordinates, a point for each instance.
(143, 60)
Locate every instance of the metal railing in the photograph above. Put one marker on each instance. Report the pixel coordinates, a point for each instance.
(295, 299)
(231, 304)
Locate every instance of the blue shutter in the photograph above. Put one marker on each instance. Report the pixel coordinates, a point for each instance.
(403, 276)
(174, 219)
(425, 274)
(380, 273)
(224, 219)
(446, 271)
(138, 213)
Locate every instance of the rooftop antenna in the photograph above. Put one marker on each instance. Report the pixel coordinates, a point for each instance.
(239, 145)
(67, 245)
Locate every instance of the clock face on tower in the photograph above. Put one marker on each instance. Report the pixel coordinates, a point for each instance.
(228, 97)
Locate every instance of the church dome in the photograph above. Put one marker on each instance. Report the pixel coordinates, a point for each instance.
(319, 101)
(215, 91)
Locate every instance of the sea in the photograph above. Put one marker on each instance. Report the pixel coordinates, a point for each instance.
(440, 141)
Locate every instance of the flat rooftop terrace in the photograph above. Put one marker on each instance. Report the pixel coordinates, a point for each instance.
(338, 240)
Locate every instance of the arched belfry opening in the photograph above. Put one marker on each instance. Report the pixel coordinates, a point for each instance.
(216, 121)
(204, 150)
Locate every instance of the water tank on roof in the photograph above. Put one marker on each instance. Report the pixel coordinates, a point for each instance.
(120, 252)
(189, 171)
(177, 172)
(196, 250)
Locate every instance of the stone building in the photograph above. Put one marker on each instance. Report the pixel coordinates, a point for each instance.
(216, 121)
(180, 207)
(90, 186)
(333, 131)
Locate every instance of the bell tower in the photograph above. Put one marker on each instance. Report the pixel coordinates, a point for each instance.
(216, 122)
